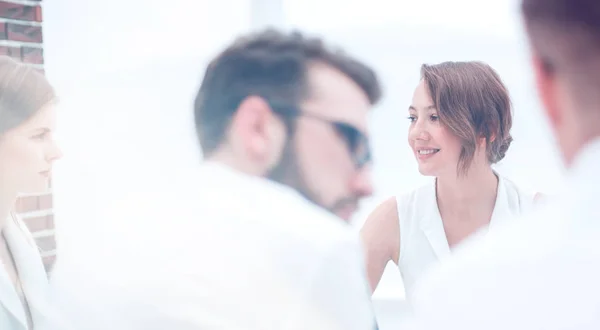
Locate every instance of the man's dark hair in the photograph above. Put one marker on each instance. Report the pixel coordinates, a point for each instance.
(566, 36)
(272, 65)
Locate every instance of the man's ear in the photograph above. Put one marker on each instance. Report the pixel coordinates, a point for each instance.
(258, 132)
(250, 127)
(546, 85)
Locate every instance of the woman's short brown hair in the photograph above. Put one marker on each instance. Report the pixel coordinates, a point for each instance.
(472, 102)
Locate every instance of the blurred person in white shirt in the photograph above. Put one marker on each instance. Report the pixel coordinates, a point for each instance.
(542, 272)
(257, 238)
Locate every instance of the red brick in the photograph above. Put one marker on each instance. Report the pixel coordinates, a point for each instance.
(14, 52)
(3, 34)
(33, 55)
(38, 13)
(50, 221)
(17, 11)
(27, 204)
(46, 243)
(45, 202)
(25, 33)
(38, 223)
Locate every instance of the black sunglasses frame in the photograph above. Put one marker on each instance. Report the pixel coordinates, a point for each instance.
(357, 142)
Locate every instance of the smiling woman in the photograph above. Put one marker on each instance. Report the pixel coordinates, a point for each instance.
(460, 120)
(27, 151)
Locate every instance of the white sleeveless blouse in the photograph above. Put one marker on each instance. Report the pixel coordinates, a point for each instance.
(422, 237)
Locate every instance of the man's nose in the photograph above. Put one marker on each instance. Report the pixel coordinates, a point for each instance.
(362, 185)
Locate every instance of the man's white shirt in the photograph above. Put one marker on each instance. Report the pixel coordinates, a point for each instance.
(539, 272)
(221, 250)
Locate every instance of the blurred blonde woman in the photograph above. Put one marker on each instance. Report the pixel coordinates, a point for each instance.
(27, 152)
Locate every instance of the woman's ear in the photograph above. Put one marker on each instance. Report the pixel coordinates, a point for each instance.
(483, 141)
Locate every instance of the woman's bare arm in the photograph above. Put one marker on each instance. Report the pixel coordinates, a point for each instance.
(381, 236)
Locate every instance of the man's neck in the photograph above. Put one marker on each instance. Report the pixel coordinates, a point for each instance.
(226, 158)
(578, 145)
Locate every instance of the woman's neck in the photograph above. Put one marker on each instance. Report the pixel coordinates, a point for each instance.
(478, 186)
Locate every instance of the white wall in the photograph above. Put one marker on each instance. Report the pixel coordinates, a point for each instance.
(127, 72)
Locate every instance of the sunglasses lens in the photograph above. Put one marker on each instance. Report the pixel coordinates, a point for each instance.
(357, 144)
(362, 154)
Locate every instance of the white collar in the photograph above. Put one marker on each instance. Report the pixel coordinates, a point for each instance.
(229, 173)
(225, 175)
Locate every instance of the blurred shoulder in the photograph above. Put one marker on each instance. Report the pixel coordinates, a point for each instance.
(484, 256)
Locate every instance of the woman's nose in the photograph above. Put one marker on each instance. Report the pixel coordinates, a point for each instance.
(419, 131)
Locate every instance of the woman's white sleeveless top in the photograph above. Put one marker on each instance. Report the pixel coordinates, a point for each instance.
(422, 237)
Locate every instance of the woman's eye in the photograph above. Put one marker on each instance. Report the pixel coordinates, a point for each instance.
(40, 136)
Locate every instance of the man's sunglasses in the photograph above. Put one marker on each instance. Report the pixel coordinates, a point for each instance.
(357, 142)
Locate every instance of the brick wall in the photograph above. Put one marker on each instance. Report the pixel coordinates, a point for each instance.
(21, 38)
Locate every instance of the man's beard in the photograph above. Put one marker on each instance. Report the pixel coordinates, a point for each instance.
(289, 173)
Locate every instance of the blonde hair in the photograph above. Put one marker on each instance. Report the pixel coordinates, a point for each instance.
(23, 92)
